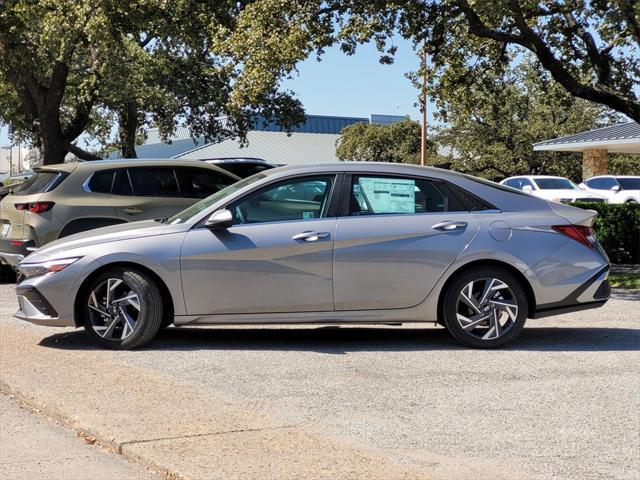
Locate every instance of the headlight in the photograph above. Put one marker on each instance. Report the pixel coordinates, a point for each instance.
(50, 266)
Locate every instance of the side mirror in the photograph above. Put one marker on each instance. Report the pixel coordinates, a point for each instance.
(219, 219)
(527, 188)
(615, 188)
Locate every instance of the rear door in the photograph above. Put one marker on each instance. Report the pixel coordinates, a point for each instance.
(142, 193)
(398, 237)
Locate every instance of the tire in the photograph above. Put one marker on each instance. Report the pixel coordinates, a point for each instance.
(485, 307)
(7, 274)
(127, 321)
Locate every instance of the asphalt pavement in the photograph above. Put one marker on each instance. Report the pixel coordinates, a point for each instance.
(563, 402)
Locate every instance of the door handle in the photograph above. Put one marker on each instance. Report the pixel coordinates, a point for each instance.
(310, 236)
(448, 226)
(131, 210)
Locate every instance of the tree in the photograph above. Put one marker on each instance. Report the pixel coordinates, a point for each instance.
(590, 47)
(492, 128)
(69, 67)
(369, 142)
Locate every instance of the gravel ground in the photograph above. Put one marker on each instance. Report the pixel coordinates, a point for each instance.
(564, 402)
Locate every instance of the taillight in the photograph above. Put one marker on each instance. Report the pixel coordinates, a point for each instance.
(35, 207)
(579, 233)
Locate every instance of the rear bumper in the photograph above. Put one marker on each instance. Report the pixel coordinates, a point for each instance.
(594, 293)
(14, 251)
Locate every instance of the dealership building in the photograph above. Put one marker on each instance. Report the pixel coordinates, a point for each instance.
(313, 141)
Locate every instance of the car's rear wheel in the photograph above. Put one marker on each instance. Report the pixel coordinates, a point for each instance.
(122, 308)
(485, 308)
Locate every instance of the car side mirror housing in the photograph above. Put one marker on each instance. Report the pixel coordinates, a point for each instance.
(219, 219)
(615, 188)
(527, 188)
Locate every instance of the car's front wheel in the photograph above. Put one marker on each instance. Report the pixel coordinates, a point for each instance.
(485, 308)
(122, 308)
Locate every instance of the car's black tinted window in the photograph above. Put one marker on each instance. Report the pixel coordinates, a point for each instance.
(201, 182)
(629, 183)
(468, 201)
(300, 199)
(121, 184)
(374, 195)
(39, 182)
(101, 181)
(243, 170)
(154, 182)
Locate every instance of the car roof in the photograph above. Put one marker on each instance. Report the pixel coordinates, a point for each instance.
(93, 165)
(236, 160)
(613, 176)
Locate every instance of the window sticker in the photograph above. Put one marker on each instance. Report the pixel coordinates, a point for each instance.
(308, 215)
(389, 195)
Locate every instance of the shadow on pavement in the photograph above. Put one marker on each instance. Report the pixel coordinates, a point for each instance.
(340, 340)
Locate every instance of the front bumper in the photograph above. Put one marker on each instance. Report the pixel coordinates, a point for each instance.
(12, 251)
(49, 299)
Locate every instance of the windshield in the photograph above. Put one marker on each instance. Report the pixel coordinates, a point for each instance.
(629, 183)
(555, 184)
(205, 203)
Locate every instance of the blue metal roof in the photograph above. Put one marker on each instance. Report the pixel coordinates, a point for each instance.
(313, 124)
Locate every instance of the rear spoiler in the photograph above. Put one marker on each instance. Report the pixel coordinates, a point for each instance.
(574, 215)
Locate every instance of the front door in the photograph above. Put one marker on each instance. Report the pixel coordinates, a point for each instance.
(275, 258)
(398, 238)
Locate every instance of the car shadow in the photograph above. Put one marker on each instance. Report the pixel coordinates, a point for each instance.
(341, 340)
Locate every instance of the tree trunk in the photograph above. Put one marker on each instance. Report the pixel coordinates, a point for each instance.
(53, 148)
(128, 125)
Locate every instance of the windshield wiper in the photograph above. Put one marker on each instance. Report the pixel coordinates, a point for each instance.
(161, 220)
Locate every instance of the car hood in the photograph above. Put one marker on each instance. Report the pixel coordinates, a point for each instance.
(125, 231)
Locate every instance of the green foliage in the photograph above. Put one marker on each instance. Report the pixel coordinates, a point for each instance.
(368, 142)
(492, 127)
(74, 66)
(617, 228)
(591, 48)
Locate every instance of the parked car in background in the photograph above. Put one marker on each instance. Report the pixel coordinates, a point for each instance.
(556, 189)
(242, 167)
(11, 183)
(60, 200)
(616, 188)
(334, 243)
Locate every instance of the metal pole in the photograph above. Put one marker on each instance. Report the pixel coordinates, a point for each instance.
(423, 129)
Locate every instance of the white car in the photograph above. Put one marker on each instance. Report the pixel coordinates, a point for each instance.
(556, 189)
(616, 189)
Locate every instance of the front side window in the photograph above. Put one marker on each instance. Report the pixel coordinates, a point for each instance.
(629, 183)
(154, 182)
(201, 182)
(376, 195)
(602, 183)
(299, 199)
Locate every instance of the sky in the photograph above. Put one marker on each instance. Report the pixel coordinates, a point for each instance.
(356, 85)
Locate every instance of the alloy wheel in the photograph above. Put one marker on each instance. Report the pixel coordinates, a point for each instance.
(487, 308)
(114, 309)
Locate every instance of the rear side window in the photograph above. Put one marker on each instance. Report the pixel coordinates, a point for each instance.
(243, 170)
(40, 182)
(375, 195)
(201, 182)
(121, 183)
(154, 182)
(468, 201)
(101, 181)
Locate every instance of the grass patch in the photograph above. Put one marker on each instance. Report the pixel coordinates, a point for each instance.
(625, 279)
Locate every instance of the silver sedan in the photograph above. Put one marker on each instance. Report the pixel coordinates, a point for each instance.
(332, 244)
